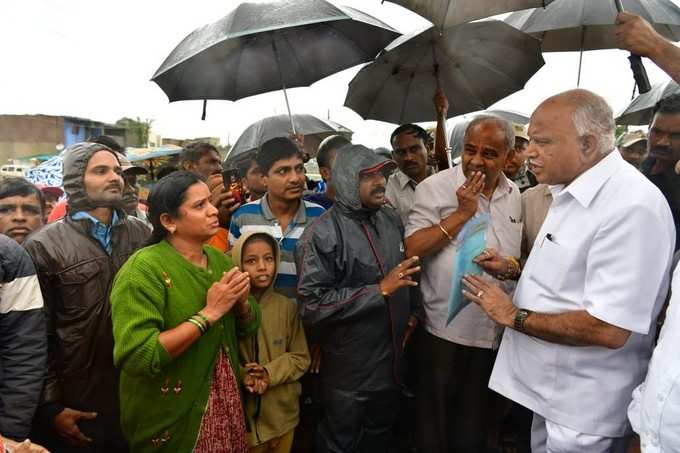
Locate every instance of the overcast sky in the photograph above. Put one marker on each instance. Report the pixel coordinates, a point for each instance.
(94, 59)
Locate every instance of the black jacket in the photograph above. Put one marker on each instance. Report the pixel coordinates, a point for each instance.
(341, 259)
(23, 345)
(76, 275)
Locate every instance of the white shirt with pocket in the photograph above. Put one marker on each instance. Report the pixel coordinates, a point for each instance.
(435, 200)
(605, 247)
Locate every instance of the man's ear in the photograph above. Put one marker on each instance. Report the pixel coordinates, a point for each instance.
(187, 165)
(589, 145)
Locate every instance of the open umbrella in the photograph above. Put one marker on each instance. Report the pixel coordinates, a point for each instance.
(50, 173)
(313, 128)
(639, 111)
(579, 25)
(477, 64)
(262, 47)
(447, 13)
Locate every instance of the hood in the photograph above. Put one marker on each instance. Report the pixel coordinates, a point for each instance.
(76, 158)
(237, 251)
(352, 160)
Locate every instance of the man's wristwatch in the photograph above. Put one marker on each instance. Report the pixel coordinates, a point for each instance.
(520, 318)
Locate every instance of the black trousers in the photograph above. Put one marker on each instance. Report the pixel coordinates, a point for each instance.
(356, 422)
(453, 398)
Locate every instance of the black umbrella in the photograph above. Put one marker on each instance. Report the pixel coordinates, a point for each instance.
(448, 13)
(639, 111)
(578, 25)
(313, 128)
(477, 64)
(262, 47)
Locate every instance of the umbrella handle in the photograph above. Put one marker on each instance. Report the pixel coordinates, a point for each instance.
(283, 84)
(639, 71)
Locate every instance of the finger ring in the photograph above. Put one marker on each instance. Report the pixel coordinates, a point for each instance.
(401, 275)
(464, 186)
(480, 294)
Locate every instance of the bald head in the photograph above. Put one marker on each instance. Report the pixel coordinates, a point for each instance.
(570, 133)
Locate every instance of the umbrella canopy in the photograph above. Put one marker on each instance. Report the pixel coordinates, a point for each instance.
(476, 64)
(262, 47)
(447, 13)
(313, 128)
(639, 111)
(138, 154)
(573, 25)
(509, 115)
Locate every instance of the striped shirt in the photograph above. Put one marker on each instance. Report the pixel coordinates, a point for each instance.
(257, 217)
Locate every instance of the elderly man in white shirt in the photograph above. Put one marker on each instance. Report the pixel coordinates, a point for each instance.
(454, 362)
(580, 328)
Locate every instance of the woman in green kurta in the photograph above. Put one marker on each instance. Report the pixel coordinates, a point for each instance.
(178, 307)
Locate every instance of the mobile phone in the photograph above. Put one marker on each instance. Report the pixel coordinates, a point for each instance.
(232, 182)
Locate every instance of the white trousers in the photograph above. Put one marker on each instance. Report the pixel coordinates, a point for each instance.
(549, 437)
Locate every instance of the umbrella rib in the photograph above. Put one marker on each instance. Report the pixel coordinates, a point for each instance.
(408, 86)
(308, 81)
(380, 90)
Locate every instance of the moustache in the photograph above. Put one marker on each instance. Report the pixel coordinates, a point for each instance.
(114, 185)
(378, 191)
(295, 187)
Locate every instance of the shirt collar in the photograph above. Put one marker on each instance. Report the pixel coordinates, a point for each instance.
(300, 215)
(405, 180)
(83, 215)
(586, 186)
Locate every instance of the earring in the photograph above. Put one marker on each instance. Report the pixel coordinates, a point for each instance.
(171, 230)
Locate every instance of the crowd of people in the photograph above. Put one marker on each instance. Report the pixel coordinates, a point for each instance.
(283, 320)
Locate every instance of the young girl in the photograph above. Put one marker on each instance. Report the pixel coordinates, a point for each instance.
(276, 359)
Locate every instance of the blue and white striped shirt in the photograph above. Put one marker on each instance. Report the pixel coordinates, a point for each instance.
(257, 217)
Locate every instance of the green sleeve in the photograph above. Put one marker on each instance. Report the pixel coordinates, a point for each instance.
(290, 367)
(137, 303)
(246, 330)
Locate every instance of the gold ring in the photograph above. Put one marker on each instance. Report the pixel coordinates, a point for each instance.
(464, 186)
(480, 294)
(401, 275)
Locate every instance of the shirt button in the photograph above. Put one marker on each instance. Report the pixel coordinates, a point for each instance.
(226, 349)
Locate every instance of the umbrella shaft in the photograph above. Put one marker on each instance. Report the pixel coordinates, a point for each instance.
(283, 84)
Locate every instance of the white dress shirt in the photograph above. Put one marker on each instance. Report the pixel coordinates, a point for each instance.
(401, 193)
(605, 247)
(655, 410)
(436, 199)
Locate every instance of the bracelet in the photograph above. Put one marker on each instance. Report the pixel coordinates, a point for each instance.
(206, 321)
(201, 328)
(446, 233)
(514, 270)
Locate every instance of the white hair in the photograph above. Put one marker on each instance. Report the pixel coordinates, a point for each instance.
(593, 116)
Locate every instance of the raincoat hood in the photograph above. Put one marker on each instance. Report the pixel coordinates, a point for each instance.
(237, 253)
(351, 161)
(76, 158)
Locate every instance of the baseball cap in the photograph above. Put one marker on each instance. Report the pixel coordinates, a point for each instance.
(129, 168)
(520, 131)
(632, 138)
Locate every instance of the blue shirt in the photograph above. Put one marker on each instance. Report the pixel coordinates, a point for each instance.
(257, 217)
(99, 230)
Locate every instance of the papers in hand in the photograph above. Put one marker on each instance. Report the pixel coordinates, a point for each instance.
(471, 242)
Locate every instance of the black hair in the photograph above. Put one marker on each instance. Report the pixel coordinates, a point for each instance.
(165, 198)
(164, 170)
(193, 152)
(266, 237)
(412, 129)
(667, 106)
(244, 166)
(19, 187)
(274, 150)
(326, 148)
(109, 142)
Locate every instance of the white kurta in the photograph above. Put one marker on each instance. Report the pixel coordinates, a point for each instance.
(605, 247)
(655, 410)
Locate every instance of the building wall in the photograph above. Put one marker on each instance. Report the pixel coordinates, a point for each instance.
(29, 135)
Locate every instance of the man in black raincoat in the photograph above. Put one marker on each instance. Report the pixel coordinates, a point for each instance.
(353, 292)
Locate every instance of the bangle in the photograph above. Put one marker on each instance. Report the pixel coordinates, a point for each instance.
(201, 328)
(446, 233)
(514, 269)
(206, 321)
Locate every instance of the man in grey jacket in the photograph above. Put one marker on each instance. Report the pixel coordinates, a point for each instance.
(23, 340)
(353, 291)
